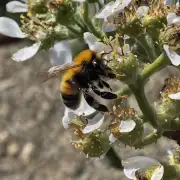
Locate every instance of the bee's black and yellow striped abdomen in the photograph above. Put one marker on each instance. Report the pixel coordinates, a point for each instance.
(70, 93)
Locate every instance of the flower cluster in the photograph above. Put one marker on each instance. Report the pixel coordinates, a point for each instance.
(135, 39)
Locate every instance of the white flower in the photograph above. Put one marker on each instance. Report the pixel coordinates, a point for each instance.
(84, 109)
(61, 53)
(9, 27)
(16, 6)
(108, 25)
(172, 18)
(124, 127)
(142, 11)
(172, 55)
(142, 164)
(175, 96)
(112, 9)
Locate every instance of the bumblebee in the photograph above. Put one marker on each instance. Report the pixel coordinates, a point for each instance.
(84, 75)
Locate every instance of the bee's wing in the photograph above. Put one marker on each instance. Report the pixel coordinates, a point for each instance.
(56, 71)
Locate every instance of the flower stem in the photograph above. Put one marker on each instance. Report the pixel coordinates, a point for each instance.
(114, 159)
(158, 64)
(138, 90)
(89, 23)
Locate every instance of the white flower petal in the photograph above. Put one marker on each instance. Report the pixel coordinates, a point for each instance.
(175, 96)
(112, 8)
(61, 53)
(92, 42)
(127, 126)
(173, 56)
(133, 164)
(84, 108)
(158, 173)
(176, 20)
(112, 139)
(105, 12)
(130, 173)
(94, 123)
(89, 38)
(109, 26)
(16, 7)
(172, 18)
(26, 53)
(9, 27)
(66, 118)
(142, 11)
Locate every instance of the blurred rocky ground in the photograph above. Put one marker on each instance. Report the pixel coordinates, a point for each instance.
(33, 142)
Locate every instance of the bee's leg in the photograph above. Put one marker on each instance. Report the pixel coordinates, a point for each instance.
(100, 84)
(103, 94)
(107, 71)
(94, 103)
(106, 85)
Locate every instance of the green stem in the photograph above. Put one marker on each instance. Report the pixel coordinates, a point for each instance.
(81, 25)
(74, 31)
(89, 23)
(114, 159)
(138, 90)
(158, 64)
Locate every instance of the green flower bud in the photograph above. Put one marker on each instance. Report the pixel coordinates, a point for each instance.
(132, 28)
(171, 36)
(64, 9)
(94, 144)
(126, 65)
(37, 6)
(153, 25)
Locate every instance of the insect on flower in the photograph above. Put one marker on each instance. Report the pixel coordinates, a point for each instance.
(83, 76)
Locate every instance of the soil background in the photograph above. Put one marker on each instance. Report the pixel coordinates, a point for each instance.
(33, 143)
